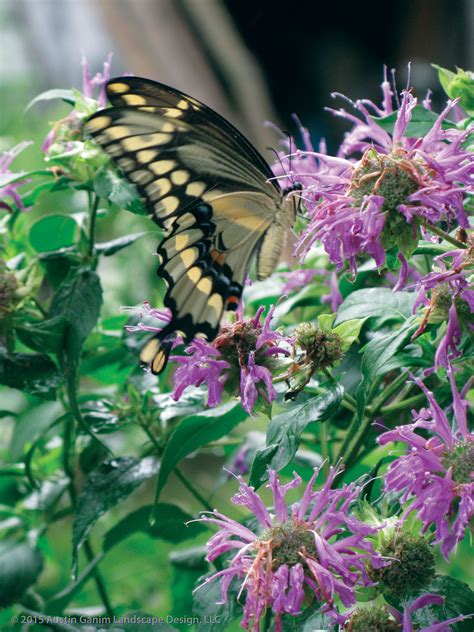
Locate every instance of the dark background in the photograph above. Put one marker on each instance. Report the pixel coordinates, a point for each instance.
(253, 60)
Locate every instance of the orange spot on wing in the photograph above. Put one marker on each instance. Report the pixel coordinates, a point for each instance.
(217, 256)
(232, 300)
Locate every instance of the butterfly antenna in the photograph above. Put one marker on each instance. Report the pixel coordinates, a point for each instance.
(272, 149)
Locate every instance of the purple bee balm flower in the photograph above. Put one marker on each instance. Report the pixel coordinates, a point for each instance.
(428, 599)
(68, 128)
(296, 279)
(379, 202)
(435, 476)
(313, 549)
(11, 190)
(241, 358)
(334, 297)
(99, 80)
(452, 299)
(150, 314)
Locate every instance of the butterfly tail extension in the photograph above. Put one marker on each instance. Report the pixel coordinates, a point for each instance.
(156, 352)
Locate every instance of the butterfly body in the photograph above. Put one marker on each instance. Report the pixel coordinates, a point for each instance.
(208, 187)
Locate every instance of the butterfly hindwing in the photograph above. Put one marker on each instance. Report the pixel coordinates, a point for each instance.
(210, 189)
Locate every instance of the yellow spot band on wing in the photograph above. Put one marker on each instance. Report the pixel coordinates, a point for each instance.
(98, 123)
(194, 274)
(118, 132)
(142, 142)
(161, 166)
(118, 88)
(180, 176)
(205, 285)
(146, 155)
(134, 99)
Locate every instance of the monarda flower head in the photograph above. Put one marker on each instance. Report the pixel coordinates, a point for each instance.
(435, 476)
(241, 359)
(400, 183)
(311, 551)
(448, 295)
(389, 619)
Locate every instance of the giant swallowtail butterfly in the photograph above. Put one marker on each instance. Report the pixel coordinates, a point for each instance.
(208, 187)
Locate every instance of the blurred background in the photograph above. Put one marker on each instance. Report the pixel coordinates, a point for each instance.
(252, 60)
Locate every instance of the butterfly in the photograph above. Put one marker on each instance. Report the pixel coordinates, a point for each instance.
(204, 183)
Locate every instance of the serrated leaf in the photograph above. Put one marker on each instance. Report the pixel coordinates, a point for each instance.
(20, 566)
(31, 372)
(380, 303)
(213, 617)
(349, 331)
(44, 335)
(170, 525)
(378, 358)
(105, 487)
(422, 120)
(459, 599)
(285, 429)
(109, 185)
(77, 304)
(196, 431)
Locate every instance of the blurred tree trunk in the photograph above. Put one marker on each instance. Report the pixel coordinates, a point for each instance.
(194, 46)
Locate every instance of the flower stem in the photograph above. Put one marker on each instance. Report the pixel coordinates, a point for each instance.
(268, 620)
(443, 234)
(355, 439)
(403, 404)
(192, 490)
(388, 393)
(93, 216)
(68, 455)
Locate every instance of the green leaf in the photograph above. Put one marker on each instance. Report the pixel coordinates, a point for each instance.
(20, 566)
(214, 617)
(170, 525)
(44, 335)
(77, 305)
(195, 432)
(105, 487)
(109, 248)
(310, 621)
(349, 331)
(458, 85)
(380, 303)
(109, 185)
(378, 358)
(53, 232)
(284, 432)
(30, 197)
(34, 373)
(422, 120)
(459, 599)
(65, 95)
(187, 566)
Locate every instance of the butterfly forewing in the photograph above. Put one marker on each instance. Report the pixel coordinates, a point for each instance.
(207, 186)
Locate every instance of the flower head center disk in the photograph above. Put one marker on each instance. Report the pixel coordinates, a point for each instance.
(391, 175)
(461, 462)
(237, 340)
(288, 540)
(322, 348)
